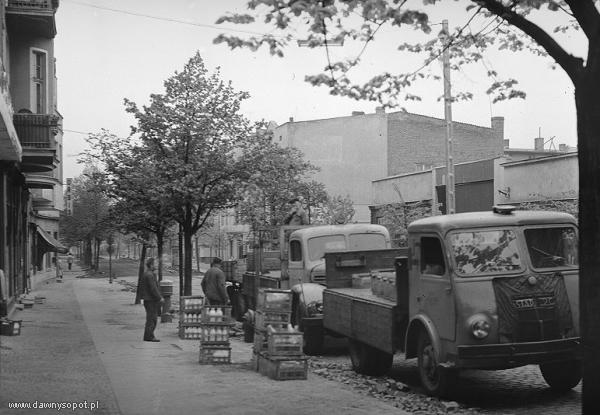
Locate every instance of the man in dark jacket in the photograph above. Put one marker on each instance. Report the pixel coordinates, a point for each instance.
(213, 284)
(150, 293)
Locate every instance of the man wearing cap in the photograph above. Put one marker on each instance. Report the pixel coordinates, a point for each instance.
(296, 215)
(213, 284)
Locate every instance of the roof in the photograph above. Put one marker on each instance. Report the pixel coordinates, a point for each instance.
(320, 230)
(446, 223)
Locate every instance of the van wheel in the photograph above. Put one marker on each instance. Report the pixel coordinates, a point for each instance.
(368, 360)
(434, 378)
(562, 376)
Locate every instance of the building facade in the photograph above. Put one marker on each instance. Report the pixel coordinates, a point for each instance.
(30, 146)
(353, 151)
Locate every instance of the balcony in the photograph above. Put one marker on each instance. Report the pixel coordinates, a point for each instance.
(36, 133)
(32, 16)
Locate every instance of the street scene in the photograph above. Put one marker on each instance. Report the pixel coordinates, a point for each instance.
(282, 206)
(91, 330)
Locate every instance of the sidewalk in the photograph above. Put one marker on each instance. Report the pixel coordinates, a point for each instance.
(85, 343)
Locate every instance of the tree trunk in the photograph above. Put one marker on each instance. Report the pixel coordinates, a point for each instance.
(138, 297)
(97, 254)
(587, 93)
(88, 257)
(187, 251)
(159, 248)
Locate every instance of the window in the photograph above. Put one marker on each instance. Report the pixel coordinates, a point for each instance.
(552, 247)
(482, 252)
(321, 244)
(367, 241)
(295, 251)
(432, 256)
(39, 81)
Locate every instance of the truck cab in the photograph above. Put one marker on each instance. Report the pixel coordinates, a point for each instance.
(307, 247)
(494, 290)
(480, 290)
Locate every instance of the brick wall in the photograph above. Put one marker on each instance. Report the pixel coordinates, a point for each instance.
(417, 140)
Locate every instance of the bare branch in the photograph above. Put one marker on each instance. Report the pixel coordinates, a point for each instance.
(571, 64)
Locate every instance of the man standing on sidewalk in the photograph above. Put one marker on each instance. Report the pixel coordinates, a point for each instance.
(213, 284)
(152, 299)
(70, 260)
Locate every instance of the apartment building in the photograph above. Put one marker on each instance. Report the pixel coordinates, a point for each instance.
(353, 151)
(30, 146)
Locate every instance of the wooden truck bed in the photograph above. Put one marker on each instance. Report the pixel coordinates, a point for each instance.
(358, 314)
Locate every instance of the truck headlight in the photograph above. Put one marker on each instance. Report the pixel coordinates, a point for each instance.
(480, 328)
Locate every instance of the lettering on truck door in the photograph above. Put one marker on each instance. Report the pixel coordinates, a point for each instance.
(436, 297)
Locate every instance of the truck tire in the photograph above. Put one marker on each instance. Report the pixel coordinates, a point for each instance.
(368, 360)
(312, 338)
(562, 376)
(435, 379)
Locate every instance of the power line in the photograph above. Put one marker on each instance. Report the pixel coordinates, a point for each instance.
(168, 19)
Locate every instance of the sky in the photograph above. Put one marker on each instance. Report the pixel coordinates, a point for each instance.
(108, 50)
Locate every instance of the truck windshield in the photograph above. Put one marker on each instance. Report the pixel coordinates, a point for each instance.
(367, 241)
(554, 247)
(319, 245)
(488, 251)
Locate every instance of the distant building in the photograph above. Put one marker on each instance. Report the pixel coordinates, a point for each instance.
(30, 145)
(353, 151)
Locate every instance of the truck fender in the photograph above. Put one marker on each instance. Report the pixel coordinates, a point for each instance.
(304, 294)
(418, 323)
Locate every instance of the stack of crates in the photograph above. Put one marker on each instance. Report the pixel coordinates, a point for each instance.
(214, 335)
(277, 345)
(190, 315)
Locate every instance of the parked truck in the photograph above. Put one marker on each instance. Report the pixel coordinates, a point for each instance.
(484, 290)
(302, 270)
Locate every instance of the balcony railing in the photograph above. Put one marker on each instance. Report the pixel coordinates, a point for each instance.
(33, 4)
(36, 130)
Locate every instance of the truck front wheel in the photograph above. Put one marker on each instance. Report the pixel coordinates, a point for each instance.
(368, 360)
(561, 376)
(434, 378)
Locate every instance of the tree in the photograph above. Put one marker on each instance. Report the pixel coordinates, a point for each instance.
(139, 207)
(196, 140)
(507, 24)
(337, 210)
(280, 174)
(89, 221)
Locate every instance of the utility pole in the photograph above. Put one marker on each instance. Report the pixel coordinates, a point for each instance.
(450, 196)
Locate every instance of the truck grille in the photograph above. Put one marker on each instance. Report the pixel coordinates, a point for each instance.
(318, 279)
(532, 308)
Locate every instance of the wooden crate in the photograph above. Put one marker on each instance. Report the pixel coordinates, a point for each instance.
(215, 355)
(10, 327)
(190, 303)
(284, 343)
(262, 319)
(283, 368)
(270, 299)
(214, 334)
(223, 318)
(191, 331)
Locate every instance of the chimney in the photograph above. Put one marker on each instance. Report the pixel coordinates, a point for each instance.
(538, 143)
(506, 143)
(498, 128)
(563, 148)
(358, 113)
(291, 119)
(379, 110)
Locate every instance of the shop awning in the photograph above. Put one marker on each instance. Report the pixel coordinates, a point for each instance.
(49, 243)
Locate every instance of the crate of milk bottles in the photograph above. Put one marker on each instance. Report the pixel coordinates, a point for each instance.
(214, 334)
(212, 314)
